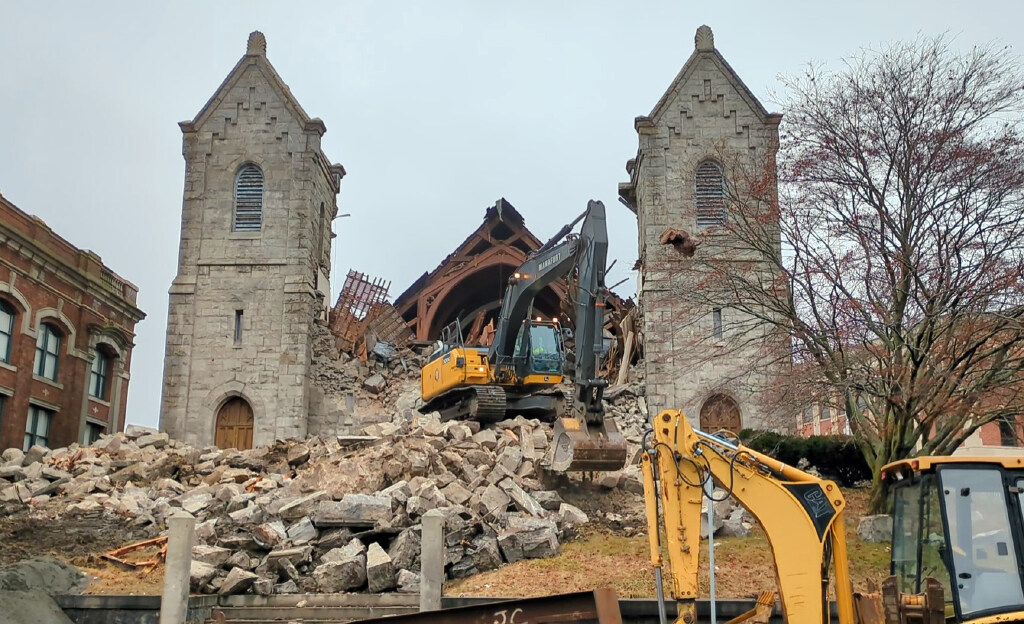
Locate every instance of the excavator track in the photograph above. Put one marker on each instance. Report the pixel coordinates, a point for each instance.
(485, 404)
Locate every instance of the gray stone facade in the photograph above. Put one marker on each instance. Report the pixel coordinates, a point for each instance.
(706, 114)
(274, 280)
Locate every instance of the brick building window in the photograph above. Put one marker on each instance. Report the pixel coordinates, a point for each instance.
(709, 194)
(37, 427)
(6, 331)
(249, 199)
(98, 375)
(92, 432)
(1007, 431)
(47, 352)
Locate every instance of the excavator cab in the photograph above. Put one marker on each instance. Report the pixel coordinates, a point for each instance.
(958, 539)
(538, 355)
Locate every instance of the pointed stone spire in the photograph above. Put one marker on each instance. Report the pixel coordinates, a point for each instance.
(257, 44)
(704, 40)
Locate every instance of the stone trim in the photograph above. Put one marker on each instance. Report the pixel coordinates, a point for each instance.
(53, 407)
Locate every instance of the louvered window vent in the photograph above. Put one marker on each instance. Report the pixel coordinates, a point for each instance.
(710, 194)
(249, 199)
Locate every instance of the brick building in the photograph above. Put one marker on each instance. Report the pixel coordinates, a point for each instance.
(67, 325)
(1004, 436)
(253, 263)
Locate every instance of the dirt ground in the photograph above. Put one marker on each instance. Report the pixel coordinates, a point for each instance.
(605, 556)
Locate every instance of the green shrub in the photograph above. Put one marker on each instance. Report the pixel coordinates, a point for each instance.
(835, 457)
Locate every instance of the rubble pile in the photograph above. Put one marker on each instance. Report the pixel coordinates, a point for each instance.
(319, 515)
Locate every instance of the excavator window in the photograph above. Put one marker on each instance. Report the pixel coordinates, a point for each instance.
(547, 349)
(982, 543)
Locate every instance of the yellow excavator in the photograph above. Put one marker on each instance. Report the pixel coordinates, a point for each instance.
(958, 531)
(521, 371)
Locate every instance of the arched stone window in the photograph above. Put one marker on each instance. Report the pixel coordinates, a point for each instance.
(249, 199)
(47, 351)
(709, 194)
(7, 314)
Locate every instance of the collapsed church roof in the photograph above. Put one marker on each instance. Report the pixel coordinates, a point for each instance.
(469, 284)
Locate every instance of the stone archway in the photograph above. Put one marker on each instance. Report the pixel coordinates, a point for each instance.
(720, 412)
(234, 425)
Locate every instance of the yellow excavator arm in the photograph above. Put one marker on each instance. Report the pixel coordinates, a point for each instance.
(802, 517)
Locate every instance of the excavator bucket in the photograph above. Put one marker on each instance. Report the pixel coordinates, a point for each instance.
(583, 447)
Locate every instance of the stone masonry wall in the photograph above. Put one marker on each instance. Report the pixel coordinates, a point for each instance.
(707, 113)
(276, 276)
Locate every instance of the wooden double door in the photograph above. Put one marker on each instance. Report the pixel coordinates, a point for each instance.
(234, 425)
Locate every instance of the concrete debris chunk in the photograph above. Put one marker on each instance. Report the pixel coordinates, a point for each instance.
(380, 570)
(211, 555)
(345, 571)
(408, 582)
(354, 510)
(237, 581)
(200, 575)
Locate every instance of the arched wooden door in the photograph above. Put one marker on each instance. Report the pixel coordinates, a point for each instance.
(234, 425)
(720, 412)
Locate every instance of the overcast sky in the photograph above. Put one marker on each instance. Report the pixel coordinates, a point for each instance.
(436, 109)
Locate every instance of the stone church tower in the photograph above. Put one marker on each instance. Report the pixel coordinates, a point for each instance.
(678, 180)
(253, 265)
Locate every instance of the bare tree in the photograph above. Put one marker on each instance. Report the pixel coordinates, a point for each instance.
(894, 258)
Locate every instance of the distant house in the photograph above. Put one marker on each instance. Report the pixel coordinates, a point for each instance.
(67, 328)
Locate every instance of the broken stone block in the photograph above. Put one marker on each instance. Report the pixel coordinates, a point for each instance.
(34, 455)
(493, 501)
(297, 555)
(345, 571)
(287, 569)
(270, 534)
(212, 555)
(200, 574)
(298, 455)
(303, 506)
(239, 559)
(734, 526)
(570, 515)
(156, 440)
(485, 553)
(12, 457)
(380, 570)
(263, 587)
(334, 538)
(608, 480)
(302, 532)
(510, 458)
(375, 383)
(408, 582)
(399, 493)
(456, 494)
(548, 499)
(207, 529)
(523, 501)
(195, 501)
(134, 432)
(237, 582)
(288, 587)
(417, 506)
(253, 514)
(530, 538)
(354, 510)
(405, 549)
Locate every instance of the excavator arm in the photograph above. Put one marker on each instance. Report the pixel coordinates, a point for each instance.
(802, 517)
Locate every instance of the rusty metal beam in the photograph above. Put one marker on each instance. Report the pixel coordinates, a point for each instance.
(601, 605)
